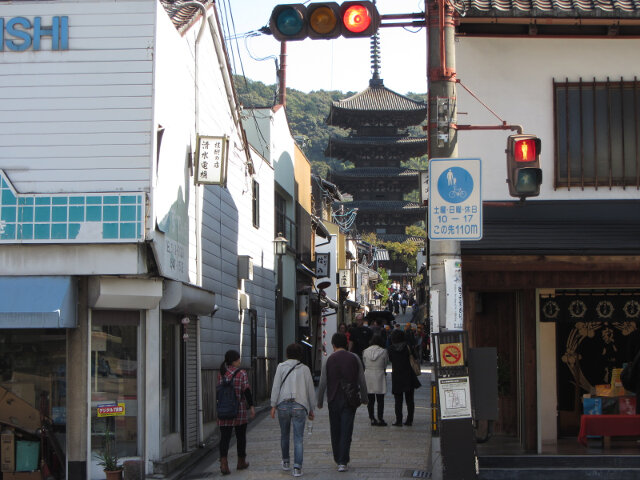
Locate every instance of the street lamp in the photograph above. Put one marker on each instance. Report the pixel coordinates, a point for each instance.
(279, 249)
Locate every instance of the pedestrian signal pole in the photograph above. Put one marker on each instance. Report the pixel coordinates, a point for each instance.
(453, 455)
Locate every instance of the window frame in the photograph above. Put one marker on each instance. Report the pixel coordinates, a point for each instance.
(596, 133)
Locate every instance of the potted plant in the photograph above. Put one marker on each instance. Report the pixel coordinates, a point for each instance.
(108, 458)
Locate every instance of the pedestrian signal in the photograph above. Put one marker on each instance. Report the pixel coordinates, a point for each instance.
(523, 165)
(324, 20)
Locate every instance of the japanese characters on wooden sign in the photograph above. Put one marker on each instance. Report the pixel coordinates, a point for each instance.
(345, 278)
(322, 265)
(211, 165)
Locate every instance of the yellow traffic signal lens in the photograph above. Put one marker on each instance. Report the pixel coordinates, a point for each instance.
(356, 18)
(525, 150)
(323, 20)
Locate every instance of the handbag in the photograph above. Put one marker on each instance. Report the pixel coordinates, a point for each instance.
(415, 366)
(351, 393)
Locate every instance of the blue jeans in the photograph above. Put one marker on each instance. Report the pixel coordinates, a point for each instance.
(341, 418)
(292, 412)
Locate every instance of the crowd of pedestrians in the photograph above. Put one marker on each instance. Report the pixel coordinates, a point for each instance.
(353, 375)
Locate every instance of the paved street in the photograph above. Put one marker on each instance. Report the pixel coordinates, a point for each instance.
(376, 452)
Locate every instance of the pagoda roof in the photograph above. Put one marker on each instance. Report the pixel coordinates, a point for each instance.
(376, 105)
(360, 147)
(375, 172)
(399, 237)
(384, 206)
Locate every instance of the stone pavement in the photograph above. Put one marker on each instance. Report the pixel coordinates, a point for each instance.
(376, 452)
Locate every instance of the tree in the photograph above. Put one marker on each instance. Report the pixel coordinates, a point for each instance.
(382, 287)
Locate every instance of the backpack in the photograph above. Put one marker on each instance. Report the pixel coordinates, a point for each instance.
(226, 399)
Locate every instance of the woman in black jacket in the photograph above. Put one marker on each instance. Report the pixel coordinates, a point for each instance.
(403, 379)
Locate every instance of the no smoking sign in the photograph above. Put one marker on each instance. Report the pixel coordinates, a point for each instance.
(451, 355)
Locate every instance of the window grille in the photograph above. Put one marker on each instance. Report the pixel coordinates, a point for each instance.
(597, 132)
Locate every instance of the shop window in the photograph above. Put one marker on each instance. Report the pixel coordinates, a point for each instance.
(33, 368)
(114, 382)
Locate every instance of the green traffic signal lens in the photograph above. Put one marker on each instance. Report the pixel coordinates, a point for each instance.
(289, 21)
(528, 181)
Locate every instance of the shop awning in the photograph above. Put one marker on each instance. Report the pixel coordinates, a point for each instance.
(37, 302)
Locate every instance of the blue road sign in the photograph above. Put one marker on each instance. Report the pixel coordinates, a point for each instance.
(455, 199)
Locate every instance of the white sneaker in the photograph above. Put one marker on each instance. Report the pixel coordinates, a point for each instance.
(285, 465)
(297, 471)
(342, 468)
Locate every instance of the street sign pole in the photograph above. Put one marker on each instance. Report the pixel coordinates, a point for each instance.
(446, 461)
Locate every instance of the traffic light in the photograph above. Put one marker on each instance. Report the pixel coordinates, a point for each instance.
(324, 20)
(523, 165)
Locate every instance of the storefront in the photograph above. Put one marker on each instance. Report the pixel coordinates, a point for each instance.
(36, 314)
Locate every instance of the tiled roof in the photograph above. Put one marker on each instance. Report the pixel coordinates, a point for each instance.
(552, 8)
(375, 172)
(361, 140)
(383, 205)
(377, 105)
(379, 97)
(398, 237)
(182, 16)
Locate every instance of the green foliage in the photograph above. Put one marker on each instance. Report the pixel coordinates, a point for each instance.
(415, 231)
(307, 114)
(108, 458)
(383, 285)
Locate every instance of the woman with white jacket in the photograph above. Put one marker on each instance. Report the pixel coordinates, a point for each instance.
(375, 360)
(293, 397)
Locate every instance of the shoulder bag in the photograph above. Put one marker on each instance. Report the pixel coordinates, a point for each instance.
(415, 366)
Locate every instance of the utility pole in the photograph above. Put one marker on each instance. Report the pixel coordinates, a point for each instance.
(453, 451)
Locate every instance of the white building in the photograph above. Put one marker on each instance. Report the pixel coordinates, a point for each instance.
(126, 275)
(568, 74)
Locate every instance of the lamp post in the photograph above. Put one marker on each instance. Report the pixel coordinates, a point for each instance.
(279, 249)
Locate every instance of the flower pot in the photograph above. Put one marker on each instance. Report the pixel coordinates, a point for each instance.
(113, 474)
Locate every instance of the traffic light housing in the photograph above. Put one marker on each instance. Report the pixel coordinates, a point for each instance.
(523, 165)
(324, 20)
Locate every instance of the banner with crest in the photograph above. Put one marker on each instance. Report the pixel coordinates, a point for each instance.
(595, 333)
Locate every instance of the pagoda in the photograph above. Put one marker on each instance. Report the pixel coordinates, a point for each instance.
(378, 141)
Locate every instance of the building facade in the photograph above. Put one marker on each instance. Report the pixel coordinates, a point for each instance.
(553, 284)
(129, 263)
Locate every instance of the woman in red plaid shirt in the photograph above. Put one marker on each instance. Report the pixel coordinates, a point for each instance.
(241, 385)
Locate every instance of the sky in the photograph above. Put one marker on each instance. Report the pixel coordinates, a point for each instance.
(339, 64)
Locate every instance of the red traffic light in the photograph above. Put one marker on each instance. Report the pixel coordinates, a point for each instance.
(523, 165)
(526, 150)
(359, 19)
(324, 20)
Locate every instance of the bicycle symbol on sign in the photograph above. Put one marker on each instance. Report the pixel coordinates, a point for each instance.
(457, 192)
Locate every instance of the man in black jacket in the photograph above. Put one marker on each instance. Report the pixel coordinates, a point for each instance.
(341, 367)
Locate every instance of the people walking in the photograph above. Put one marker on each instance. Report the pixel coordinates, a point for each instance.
(341, 373)
(293, 397)
(230, 371)
(375, 360)
(403, 379)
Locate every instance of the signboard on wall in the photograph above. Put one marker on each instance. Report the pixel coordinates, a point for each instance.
(211, 164)
(322, 265)
(345, 278)
(453, 282)
(455, 397)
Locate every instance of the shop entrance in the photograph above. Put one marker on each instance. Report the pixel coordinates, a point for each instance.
(115, 357)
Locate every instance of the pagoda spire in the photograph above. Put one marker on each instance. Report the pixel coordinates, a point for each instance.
(375, 58)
